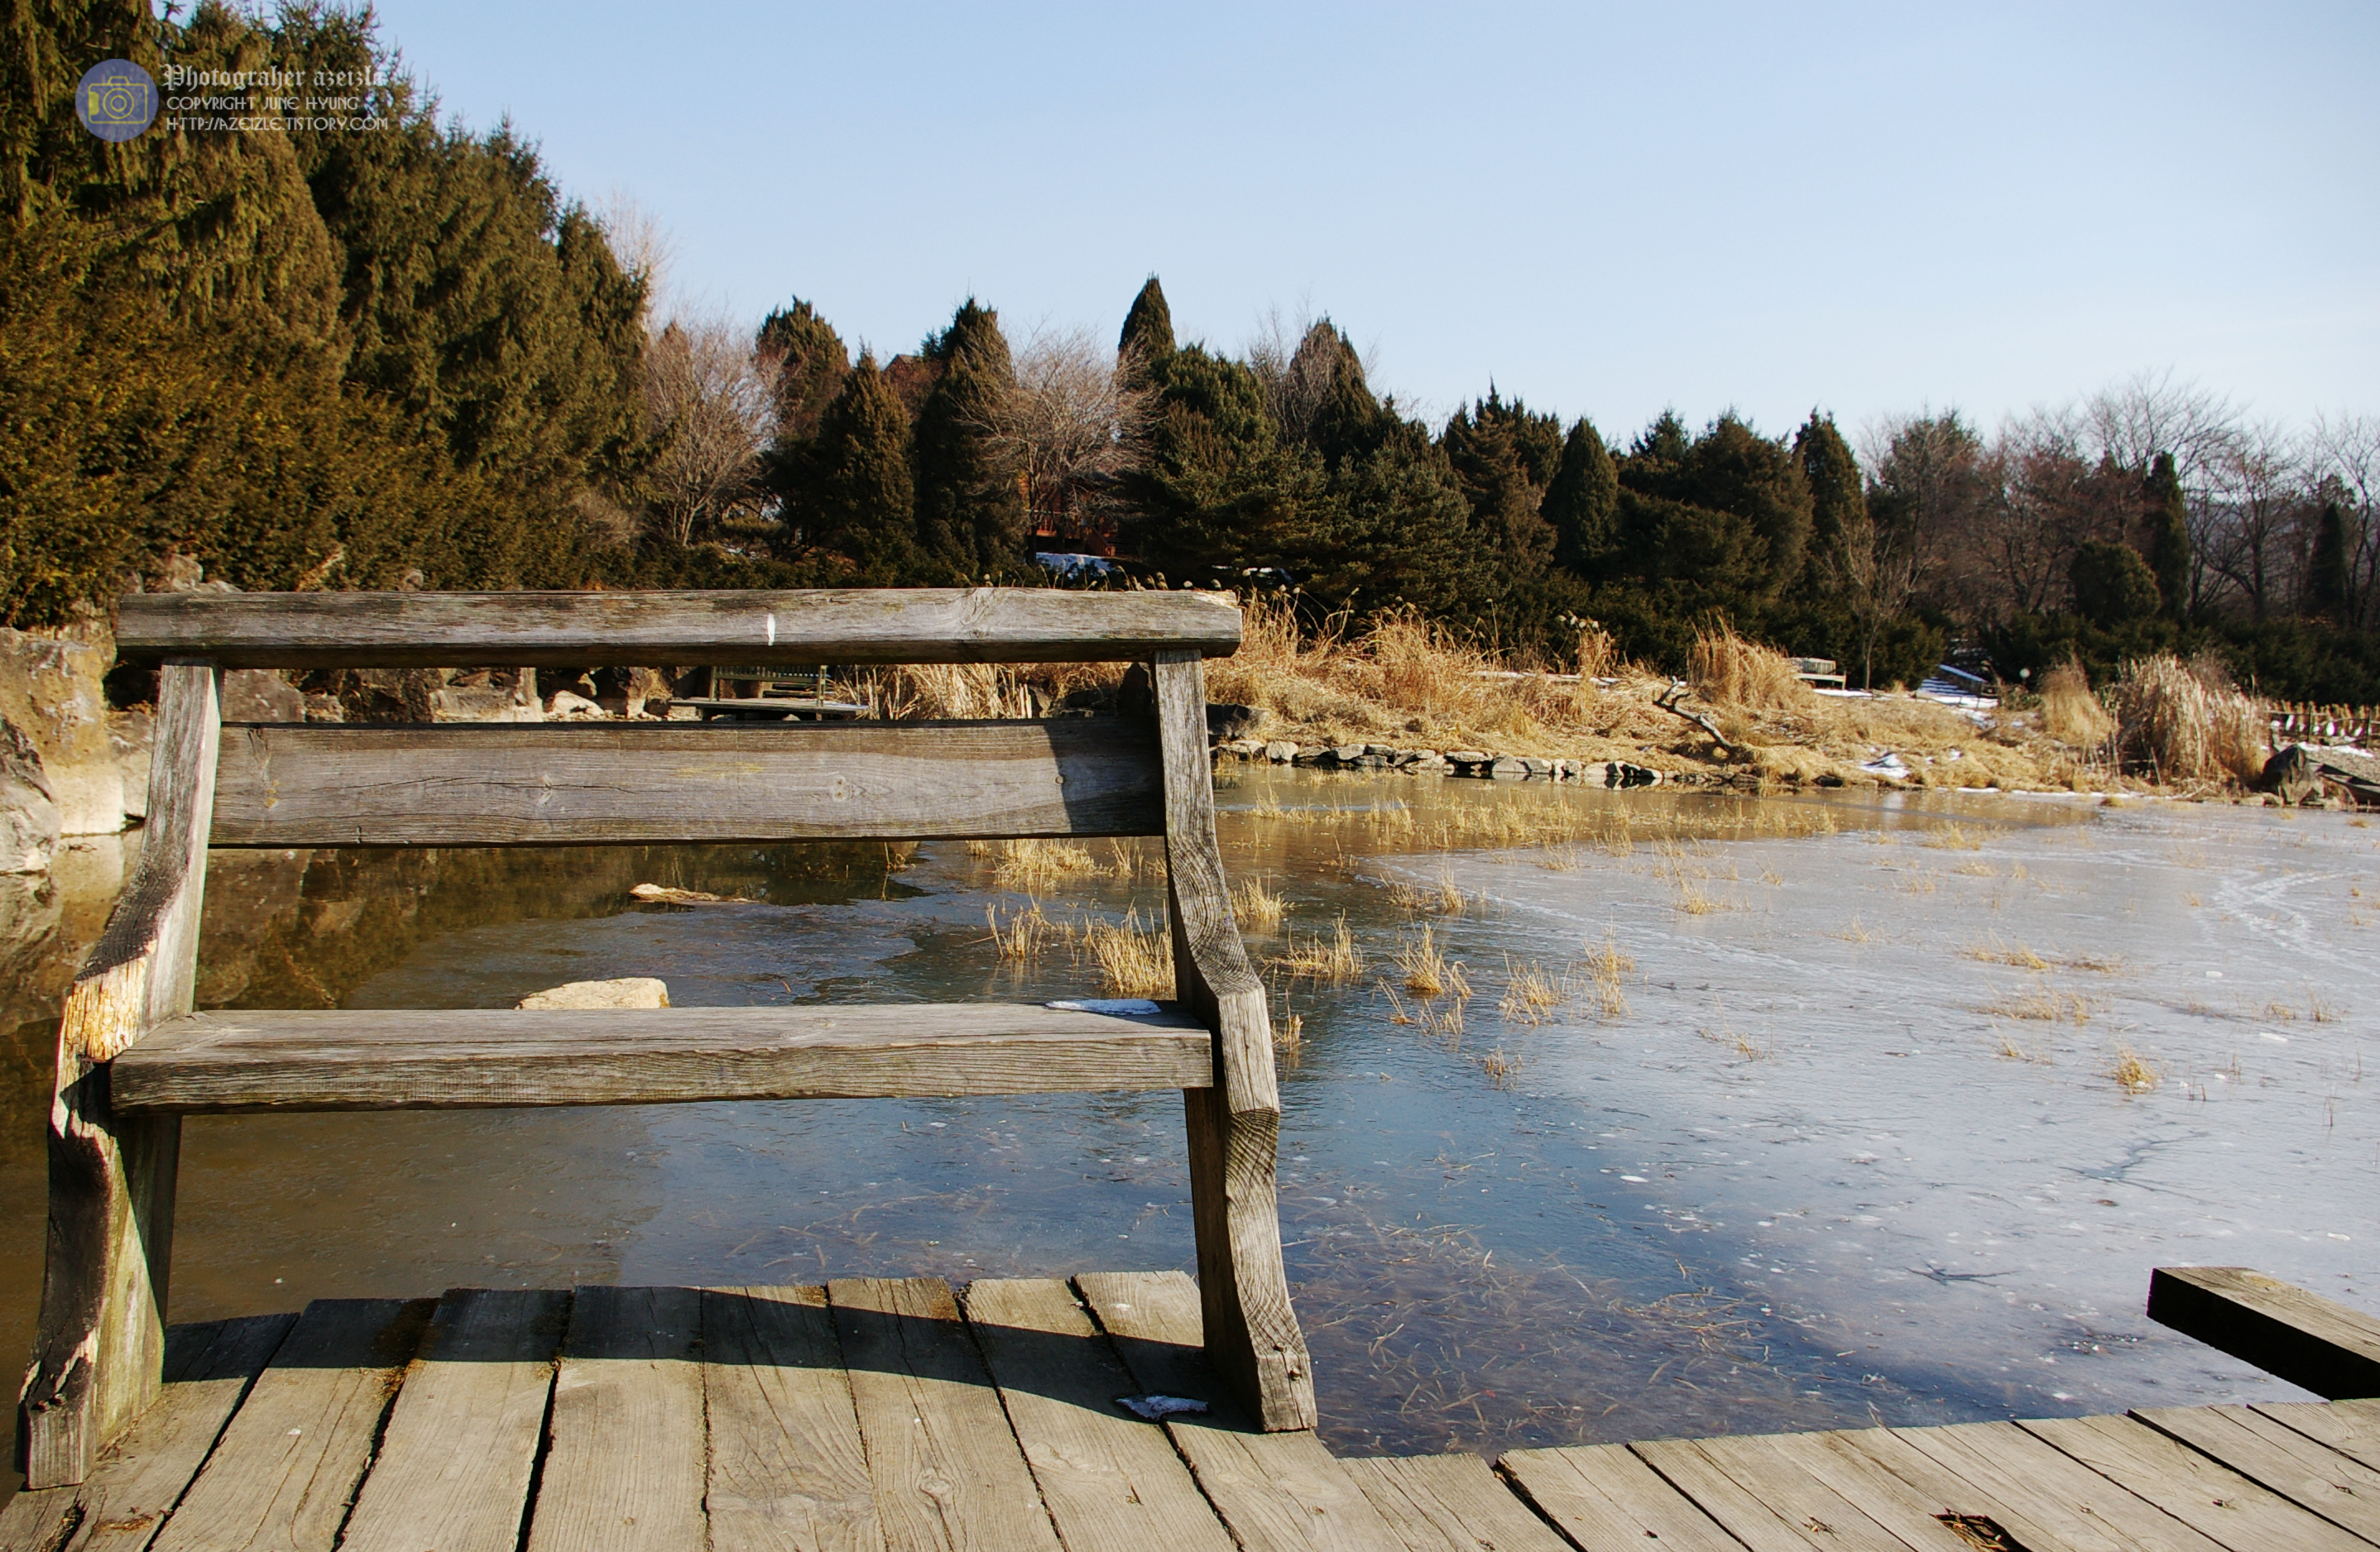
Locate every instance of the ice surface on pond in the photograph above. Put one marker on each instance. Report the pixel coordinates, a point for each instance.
(1877, 1076)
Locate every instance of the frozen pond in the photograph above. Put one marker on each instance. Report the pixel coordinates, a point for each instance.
(1812, 1123)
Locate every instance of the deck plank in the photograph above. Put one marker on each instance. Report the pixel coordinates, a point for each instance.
(1763, 1503)
(1273, 1490)
(2053, 1497)
(948, 1472)
(2312, 1475)
(284, 1470)
(1891, 1500)
(2207, 1496)
(1109, 1479)
(788, 1473)
(133, 1485)
(2288, 1331)
(624, 1463)
(1602, 1495)
(2351, 1428)
(1432, 1501)
(452, 1469)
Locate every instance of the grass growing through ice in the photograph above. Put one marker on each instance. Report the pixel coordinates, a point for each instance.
(1034, 866)
(1950, 838)
(1428, 972)
(1257, 907)
(2131, 1074)
(1441, 899)
(1333, 961)
(1609, 966)
(1020, 938)
(1997, 953)
(1530, 996)
(1133, 961)
(2046, 1004)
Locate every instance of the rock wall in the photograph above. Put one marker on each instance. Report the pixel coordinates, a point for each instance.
(51, 691)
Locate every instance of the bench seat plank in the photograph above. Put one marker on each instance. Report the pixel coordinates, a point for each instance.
(591, 783)
(372, 1060)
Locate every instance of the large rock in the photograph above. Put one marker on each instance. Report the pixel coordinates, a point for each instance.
(51, 688)
(2292, 775)
(28, 816)
(259, 695)
(1228, 723)
(629, 991)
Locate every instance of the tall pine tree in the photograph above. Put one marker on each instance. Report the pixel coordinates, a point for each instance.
(861, 502)
(1839, 522)
(811, 365)
(1147, 336)
(2169, 546)
(1583, 503)
(2328, 594)
(970, 508)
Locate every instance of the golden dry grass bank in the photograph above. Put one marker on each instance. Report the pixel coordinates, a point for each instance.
(1409, 683)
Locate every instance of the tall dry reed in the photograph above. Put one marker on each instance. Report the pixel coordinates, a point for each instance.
(2069, 711)
(2187, 722)
(1727, 670)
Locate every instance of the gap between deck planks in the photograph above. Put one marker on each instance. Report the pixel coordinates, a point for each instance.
(886, 1413)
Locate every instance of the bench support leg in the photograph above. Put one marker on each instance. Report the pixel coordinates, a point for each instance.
(98, 1350)
(1253, 1339)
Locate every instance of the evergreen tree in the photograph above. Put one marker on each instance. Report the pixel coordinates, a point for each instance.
(970, 508)
(2168, 545)
(1839, 520)
(2113, 587)
(1504, 456)
(811, 365)
(1214, 489)
(1733, 468)
(1147, 336)
(862, 503)
(1583, 503)
(2328, 594)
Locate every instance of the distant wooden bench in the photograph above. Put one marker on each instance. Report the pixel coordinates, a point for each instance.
(134, 1057)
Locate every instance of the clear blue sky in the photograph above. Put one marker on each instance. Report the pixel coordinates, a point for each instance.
(1603, 210)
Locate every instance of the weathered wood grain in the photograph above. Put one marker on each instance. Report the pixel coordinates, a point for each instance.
(2283, 1329)
(453, 1468)
(366, 1059)
(1275, 1490)
(2351, 1428)
(1911, 1506)
(624, 1464)
(788, 1472)
(1234, 1126)
(586, 784)
(100, 1345)
(2313, 1476)
(1437, 1502)
(1601, 1496)
(1109, 1479)
(120, 1505)
(2206, 1496)
(2051, 1499)
(948, 1472)
(1767, 1509)
(286, 1468)
(1781, 1476)
(551, 630)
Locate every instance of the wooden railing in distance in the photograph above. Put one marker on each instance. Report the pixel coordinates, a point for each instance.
(543, 630)
(2283, 1329)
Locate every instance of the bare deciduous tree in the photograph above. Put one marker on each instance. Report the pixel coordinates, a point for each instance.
(2344, 454)
(1069, 423)
(709, 400)
(2256, 519)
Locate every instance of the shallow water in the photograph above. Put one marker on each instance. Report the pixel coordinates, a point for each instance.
(1826, 1166)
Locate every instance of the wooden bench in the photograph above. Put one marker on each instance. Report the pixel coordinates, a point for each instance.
(134, 1057)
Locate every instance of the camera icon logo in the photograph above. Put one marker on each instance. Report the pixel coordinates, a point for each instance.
(116, 100)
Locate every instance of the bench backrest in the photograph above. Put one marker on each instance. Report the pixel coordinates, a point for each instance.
(278, 784)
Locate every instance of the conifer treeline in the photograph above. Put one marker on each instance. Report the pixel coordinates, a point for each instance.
(394, 355)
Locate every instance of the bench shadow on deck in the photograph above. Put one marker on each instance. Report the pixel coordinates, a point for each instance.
(874, 1414)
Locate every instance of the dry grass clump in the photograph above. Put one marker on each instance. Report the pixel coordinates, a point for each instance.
(1951, 838)
(1334, 961)
(2069, 713)
(2131, 1074)
(2046, 1004)
(1021, 937)
(1609, 965)
(1133, 961)
(2188, 722)
(1428, 972)
(1729, 670)
(1030, 866)
(1997, 952)
(1444, 898)
(1256, 907)
(1530, 996)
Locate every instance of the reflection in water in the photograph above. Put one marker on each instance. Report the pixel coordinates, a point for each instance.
(1505, 1225)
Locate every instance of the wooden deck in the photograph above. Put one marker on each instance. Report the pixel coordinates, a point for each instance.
(872, 1415)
